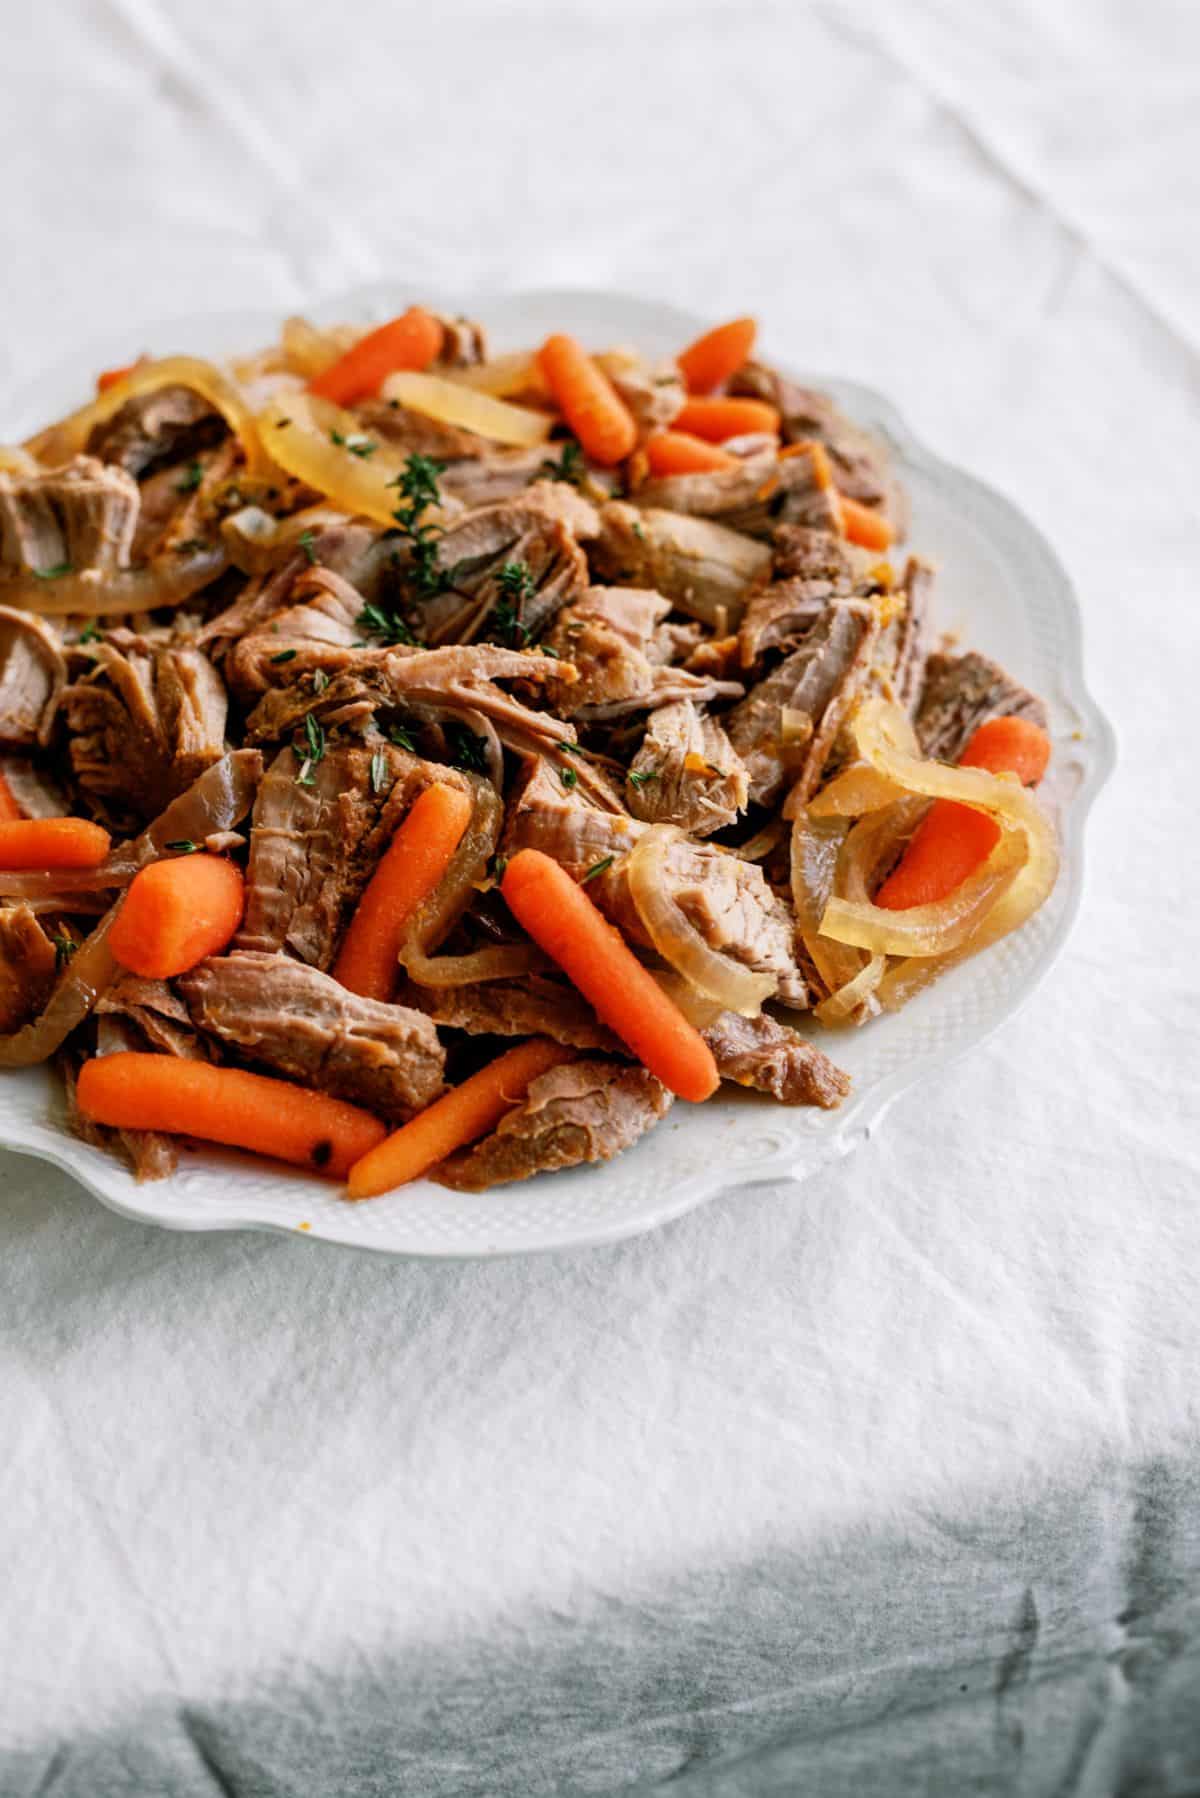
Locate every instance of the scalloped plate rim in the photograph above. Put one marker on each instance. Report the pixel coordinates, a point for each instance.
(793, 1162)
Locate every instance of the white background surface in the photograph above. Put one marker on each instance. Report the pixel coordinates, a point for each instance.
(231, 1468)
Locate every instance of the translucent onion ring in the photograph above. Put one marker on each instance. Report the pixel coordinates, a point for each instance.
(816, 846)
(95, 593)
(499, 961)
(59, 442)
(434, 919)
(1023, 865)
(676, 938)
(299, 431)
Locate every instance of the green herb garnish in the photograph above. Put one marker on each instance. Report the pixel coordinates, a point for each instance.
(466, 749)
(382, 623)
(52, 574)
(516, 585)
(64, 949)
(418, 485)
(183, 846)
(285, 655)
(357, 445)
(320, 680)
(379, 770)
(314, 739)
(191, 478)
(571, 468)
(638, 777)
(568, 777)
(89, 635)
(600, 867)
(401, 738)
(305, 541)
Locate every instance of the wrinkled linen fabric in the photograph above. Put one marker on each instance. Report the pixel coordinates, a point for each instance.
(889, 1483)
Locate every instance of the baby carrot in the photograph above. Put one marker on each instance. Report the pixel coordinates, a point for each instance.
(595, 957)
(52, 843)
(416, 859)
(135, 1091)
(459, 1117)
(711, 360)
(718, 419)
(864, 525)
(175, 913)
(952, 839)
(108, 377)
(410, 341)
(587, 400)
(675, 452)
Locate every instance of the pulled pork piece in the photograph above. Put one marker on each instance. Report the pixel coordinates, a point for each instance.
(899, 664)
(801, 553)
(655, 396)
(959, 693)
(350, 547)
(686, 772)
(667, 687)
(605, 636)
(164, 426)
(464, 341)
(816, 686)
(860, 461)
(38, 793)
(159, 1014)
(810, 568)
(772, 1057)
(531, 1006)
(703, 568)
(581, 1112)
(28, 963)
(302, 1023)
(511, 567)
(144, 724)
(33, 673)
(711, 493)
(318, 630)
(72, 519)
(314, 847)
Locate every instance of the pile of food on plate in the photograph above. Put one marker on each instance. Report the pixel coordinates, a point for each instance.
(423, 761)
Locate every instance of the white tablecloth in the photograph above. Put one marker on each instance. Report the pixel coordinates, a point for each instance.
(885, 1483)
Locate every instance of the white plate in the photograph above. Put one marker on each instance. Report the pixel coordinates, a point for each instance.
(1001, 587)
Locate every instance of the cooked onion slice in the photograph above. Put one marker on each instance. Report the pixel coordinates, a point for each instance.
(61, 441)
(323, 446)
(433, 921)
(1023, 863)
(468, 408)
(516, 372)
(498, 961)
(309, 351)
(855, 1000)
(95, 593)
(816, 845)
(676, 938)
(15, 460)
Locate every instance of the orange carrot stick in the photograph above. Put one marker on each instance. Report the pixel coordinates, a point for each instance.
(410, 341)
(52, 843)
(588, 400)
(595, 957)
(459, 1117)
(133, 1091)
(175, 913)
(416, 859)
(864, 525)
(711, 360)
(818, 455)
(953, 839)
(108, 377)
(719, 419)
(674, 452)
(10, 811)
